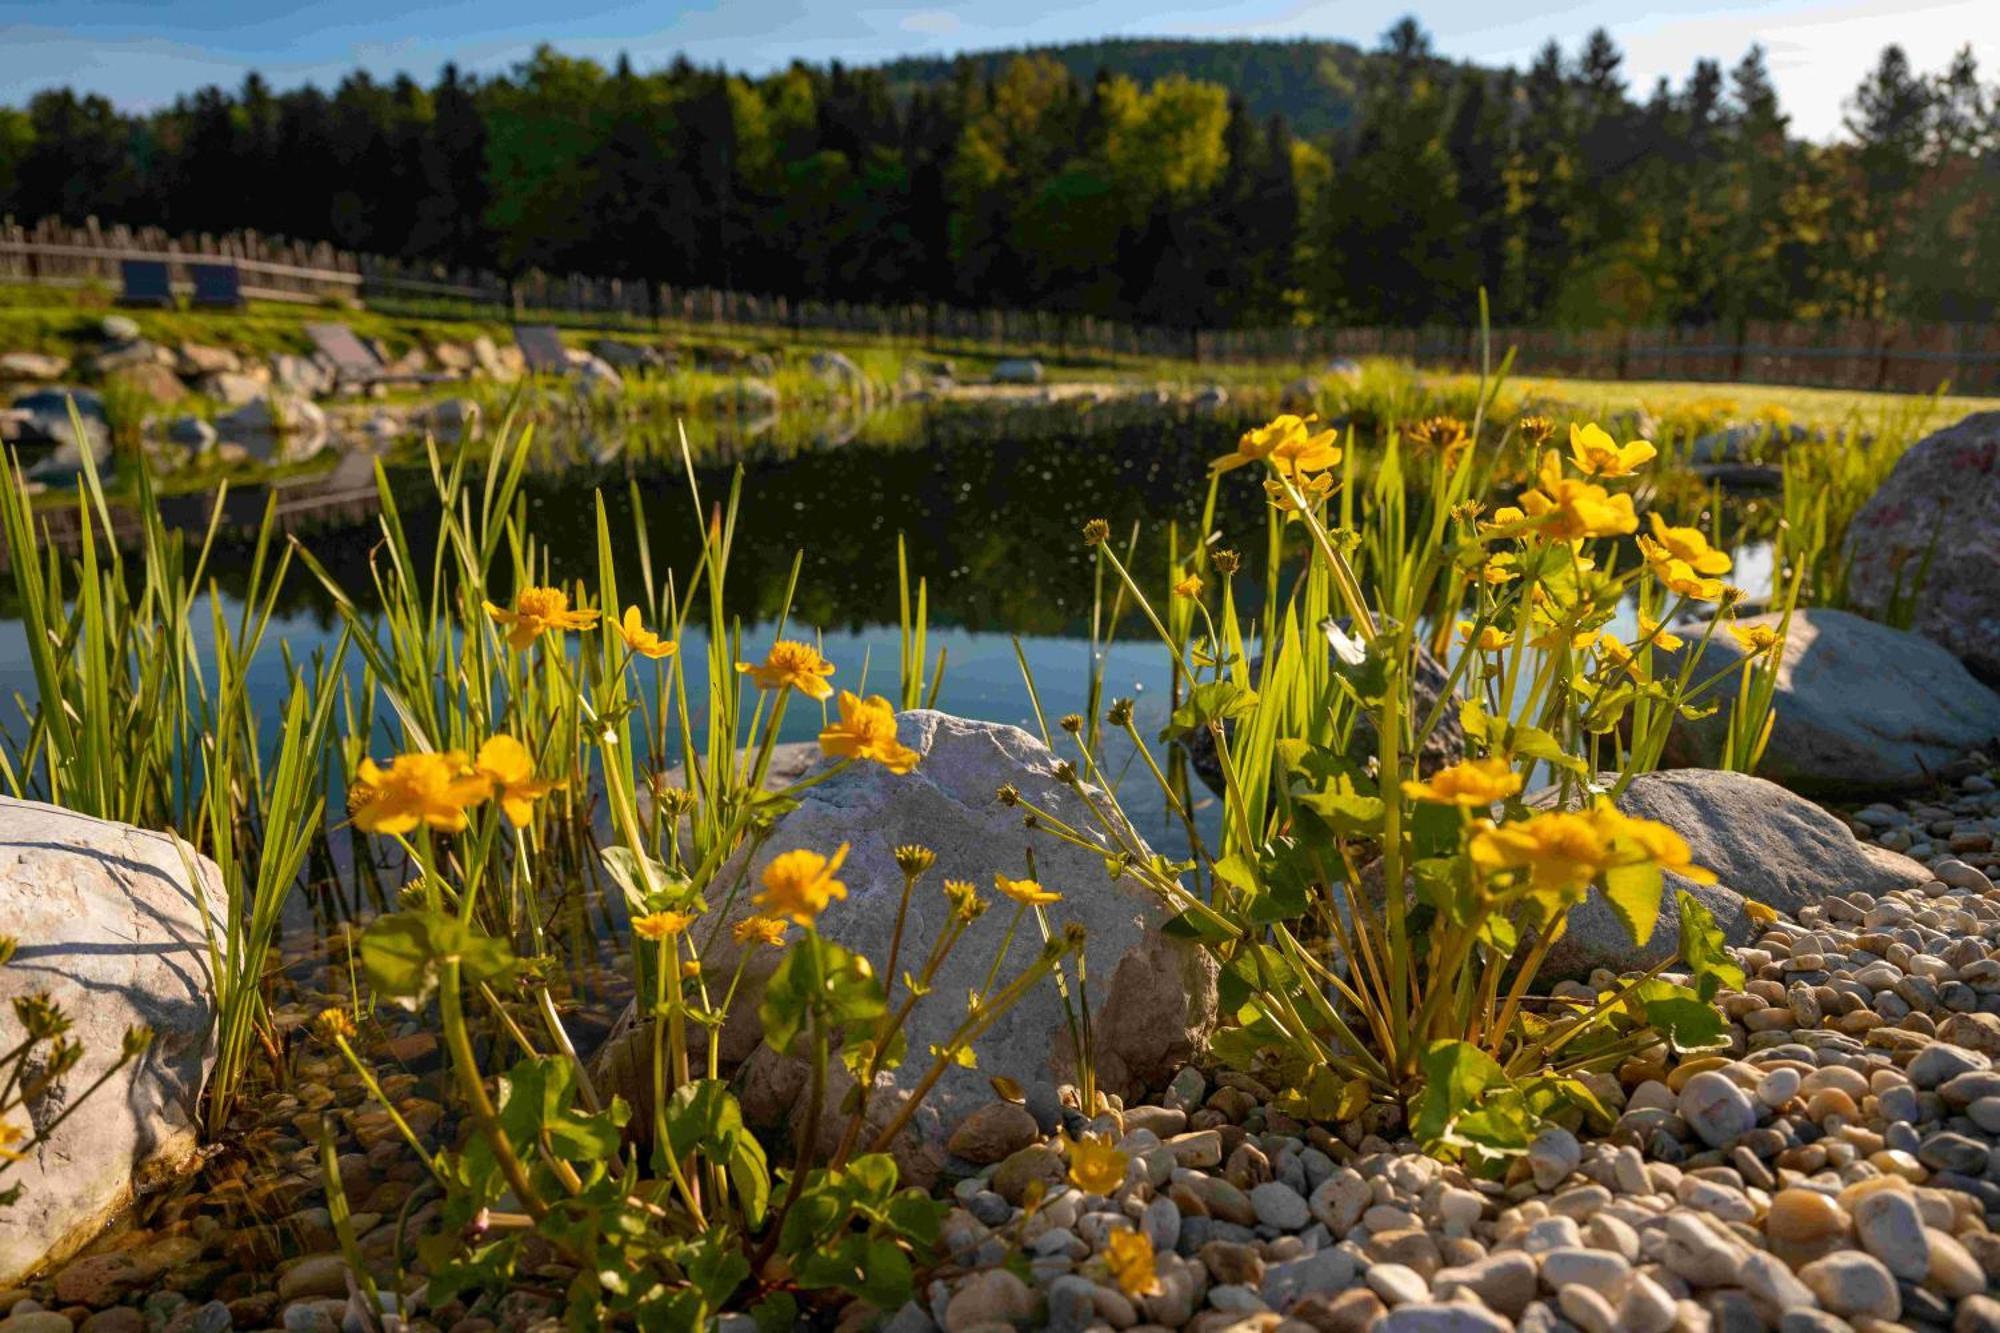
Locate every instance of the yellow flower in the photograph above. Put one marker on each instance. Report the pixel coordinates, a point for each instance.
(1128, 1255)
(1478, 782)
(641, 640)
(1570, 510)
(1095, 1166)
(421, 788)
(657, 926)
(1598, 455)
(1286, 444)
(765, 930)
(1757, 638)
(1678, 576)
(333, 1024)
(1617, 656)
(1650, 631)
(1500, 569)
(800, 884)
(1444, 433)
(1024, 891)
(536, 611)
(867, 730)
(794, 664)
(1561, 851)
(1490, 639)
(1312, 489)
(507, 765)
(1189, 587)
(11, 1134)
(1684, 544)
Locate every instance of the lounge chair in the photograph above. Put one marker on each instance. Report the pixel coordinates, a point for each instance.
(217, 286)
(542, 348)
(146, 283)
(352, 361)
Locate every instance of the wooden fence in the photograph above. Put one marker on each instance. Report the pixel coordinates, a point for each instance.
(1891, 355)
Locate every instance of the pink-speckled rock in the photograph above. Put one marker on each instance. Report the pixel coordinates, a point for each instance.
(1945, 490)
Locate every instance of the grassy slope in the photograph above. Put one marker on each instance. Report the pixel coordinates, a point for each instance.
(65, 321)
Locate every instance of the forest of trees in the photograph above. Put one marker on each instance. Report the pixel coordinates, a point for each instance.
(1570, 198)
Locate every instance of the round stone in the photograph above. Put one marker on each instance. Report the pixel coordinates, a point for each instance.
(1716, 1109)
(1892, 1229)
(1850, 1282)
(1279, 1205)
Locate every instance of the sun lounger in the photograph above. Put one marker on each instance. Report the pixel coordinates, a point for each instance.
(542, 348)
(217, 286)
(146, 283)
(352, 361)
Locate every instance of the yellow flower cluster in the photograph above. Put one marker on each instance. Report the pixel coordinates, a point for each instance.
(800, 885)
(436, 790)
(1683, 561)
(1288, 444)
(1475, 782)
(1565, 509)
(792, 665)
(1563, 852)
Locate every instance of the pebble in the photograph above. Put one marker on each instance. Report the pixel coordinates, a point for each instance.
(1279, 1205)
(1849, 1282)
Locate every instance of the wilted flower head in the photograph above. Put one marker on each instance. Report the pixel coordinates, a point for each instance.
(1447, 434)
(914, 859)
(1225, 562)
(1096, 532)
(1120, 712)
(964, 899)
(1071, 722)
(768, 931)
(1007, 794)
(1536, 429)
(334, 1024)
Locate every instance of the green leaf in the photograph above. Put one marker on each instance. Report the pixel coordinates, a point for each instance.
(398, 960)
(704, 1115)
(1681, 1016)
(1634, 894)
(1216, 701)
(1705, 949)
(1457, 1075)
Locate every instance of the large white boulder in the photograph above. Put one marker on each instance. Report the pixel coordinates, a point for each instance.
(1153, 996)
(1764, 844)
(109, 927)
(1861, 708)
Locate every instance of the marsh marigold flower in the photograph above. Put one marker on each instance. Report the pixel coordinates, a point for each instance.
(1489, 639)
(658, 926)
(768, 931)
(1312, 490)
(1689, 545)
(1650, 631)
(867, 730)
(1475, 782)
(1569, 510)
(421, 788)
(1024, 891)
(800, 884)
(1287, 443)
(1128, 1257)
(1095, 1166)
(1598, 455)
(11, 1134)
(506, 764)
(641, 640)
(1756, 638)
(1677, 576)
(536, 611)
(792, 664)
(1189, 587)
(1562, 851)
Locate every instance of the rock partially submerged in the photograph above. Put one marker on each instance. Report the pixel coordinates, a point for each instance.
(1155, 995)
(109, 926)
(1765, 845)
(1931, 536)
(1862, 709)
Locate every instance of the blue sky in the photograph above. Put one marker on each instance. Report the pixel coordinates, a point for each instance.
(142, 53)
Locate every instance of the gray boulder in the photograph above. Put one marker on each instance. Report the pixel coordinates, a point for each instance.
(192, 432)
(1764, 844)
(1941, 503)
(43, 417)
(232, 388)
(301, 376)
(195, 360)
(1155, 994)
(109, 926)
(118, 328)
(1017, 370)
(447, 418)
(628, 356)
(1862, 709)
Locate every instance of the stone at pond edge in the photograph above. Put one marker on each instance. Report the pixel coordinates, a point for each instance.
(109, 926)
(1155, 995)
(1861, 708)
(1942, 499)
(1764, 844)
